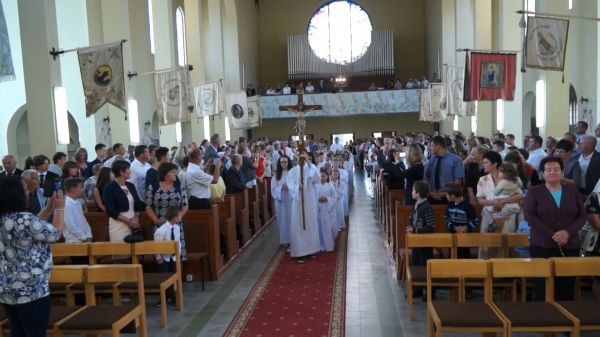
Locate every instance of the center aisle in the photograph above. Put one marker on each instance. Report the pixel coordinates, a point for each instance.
(374, 299)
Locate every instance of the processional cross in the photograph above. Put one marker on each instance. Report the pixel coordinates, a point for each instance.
(301, 109)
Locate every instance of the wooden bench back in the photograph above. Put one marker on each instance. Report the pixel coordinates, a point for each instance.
(576, 266)
(70, 249)
(471, 240)
(68, 274)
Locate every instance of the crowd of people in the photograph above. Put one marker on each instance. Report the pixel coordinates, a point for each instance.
(548, 188)
(324, 86)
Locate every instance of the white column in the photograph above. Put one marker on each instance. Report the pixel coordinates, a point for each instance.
(38, 35)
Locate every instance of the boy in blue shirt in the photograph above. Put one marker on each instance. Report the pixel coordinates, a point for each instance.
(460, 215)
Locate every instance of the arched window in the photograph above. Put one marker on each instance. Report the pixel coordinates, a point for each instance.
(181, 40)
(572, 107)
(340, 32)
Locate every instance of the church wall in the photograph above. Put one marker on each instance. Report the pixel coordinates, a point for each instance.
(433, 35)
(247, 15)
(280, 18)
(12, 93)
(362, 126)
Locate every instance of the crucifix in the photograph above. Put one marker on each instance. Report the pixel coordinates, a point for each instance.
(301, 109)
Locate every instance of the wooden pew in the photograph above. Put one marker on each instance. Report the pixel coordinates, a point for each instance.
(98, 222)
(227, 225)
(201, 228)
(264, 196)
(242, 216)
(271, 201)
(393, 196)
(254, 200)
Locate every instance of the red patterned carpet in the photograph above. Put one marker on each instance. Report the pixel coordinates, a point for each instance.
(299, 300)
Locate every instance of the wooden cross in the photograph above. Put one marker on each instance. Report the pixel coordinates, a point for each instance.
(301, 109)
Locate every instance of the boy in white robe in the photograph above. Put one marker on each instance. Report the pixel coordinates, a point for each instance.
(304, 241)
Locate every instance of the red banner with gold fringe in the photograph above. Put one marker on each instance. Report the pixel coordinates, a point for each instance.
(490, 76)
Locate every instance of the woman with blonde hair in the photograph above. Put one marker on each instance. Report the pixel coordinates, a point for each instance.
(414, 172)
(81, 158)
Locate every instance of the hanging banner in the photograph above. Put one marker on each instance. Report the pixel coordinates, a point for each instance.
(455, 77)
(102, 76)
(490, 76)
(7, 70)
(546, 43)
(238, 112)
(433, 107)
(103, 132)
(209, 98)
(254, 119)
(174, 95)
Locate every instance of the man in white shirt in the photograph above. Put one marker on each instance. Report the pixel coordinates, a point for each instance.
(76, 229)
(336, 146)
(198, 181)
(118, 150)
(270, 91)
(286, 90)
(580, 130)
(287, 151)
(309, 88)
(589, 162)
(139, 167)
(536, 152)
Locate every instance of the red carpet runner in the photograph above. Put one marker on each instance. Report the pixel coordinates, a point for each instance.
(299, 300)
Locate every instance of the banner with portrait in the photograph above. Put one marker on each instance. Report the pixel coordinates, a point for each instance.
(102, 76)
(209, 98)
(455, 78)
(174, 95)
(238, 114)
(546, 43)
(7, 70)
(490, 76)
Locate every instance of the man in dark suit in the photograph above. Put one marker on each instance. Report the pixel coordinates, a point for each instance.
(47, 178)
(589, 161)
(10, 166)
(212, 149)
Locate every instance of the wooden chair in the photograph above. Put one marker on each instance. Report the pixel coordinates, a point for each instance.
(66, 251)
(512, 241)
(586, 311)
(98, 319)
(487, 240)
(416, 276)
(107, 253)
(402, 214)
(543, 317)
(462, 316)
(159, 282)
(58, 313)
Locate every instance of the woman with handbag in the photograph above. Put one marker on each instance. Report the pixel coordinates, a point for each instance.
(122, 203)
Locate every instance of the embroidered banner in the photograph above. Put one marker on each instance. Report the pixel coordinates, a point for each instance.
(209, 98)
(174, 95)
(455, 78)
(242, 112)
(7, 70)
(546, 43)
(102, 76)
(433, 107)
(490, 76)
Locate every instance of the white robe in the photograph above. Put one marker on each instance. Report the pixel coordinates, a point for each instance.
(283, 207)
(340, 190)
(345, 177)
(324, 215)
(304, 241)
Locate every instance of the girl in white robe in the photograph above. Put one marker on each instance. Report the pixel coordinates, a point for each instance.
(326, 199)
(283, 201)
(340, 189)
(304, 242)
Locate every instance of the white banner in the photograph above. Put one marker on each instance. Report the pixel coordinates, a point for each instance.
(433, 107)
(546, 43)
(7, 70)
(239, 113)
(174, 96)
(209, 98)
(455, 79)
(102, 76)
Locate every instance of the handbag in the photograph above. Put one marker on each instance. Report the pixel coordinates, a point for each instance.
(136, 236)
(589, 239)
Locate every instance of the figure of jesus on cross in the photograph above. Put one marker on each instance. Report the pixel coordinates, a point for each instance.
(301, 109)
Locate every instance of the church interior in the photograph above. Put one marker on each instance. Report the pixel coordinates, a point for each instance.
(359, 85)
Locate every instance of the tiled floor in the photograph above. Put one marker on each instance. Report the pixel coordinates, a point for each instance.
(375, 301)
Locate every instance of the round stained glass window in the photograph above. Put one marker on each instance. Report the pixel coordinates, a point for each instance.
(340, 32)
